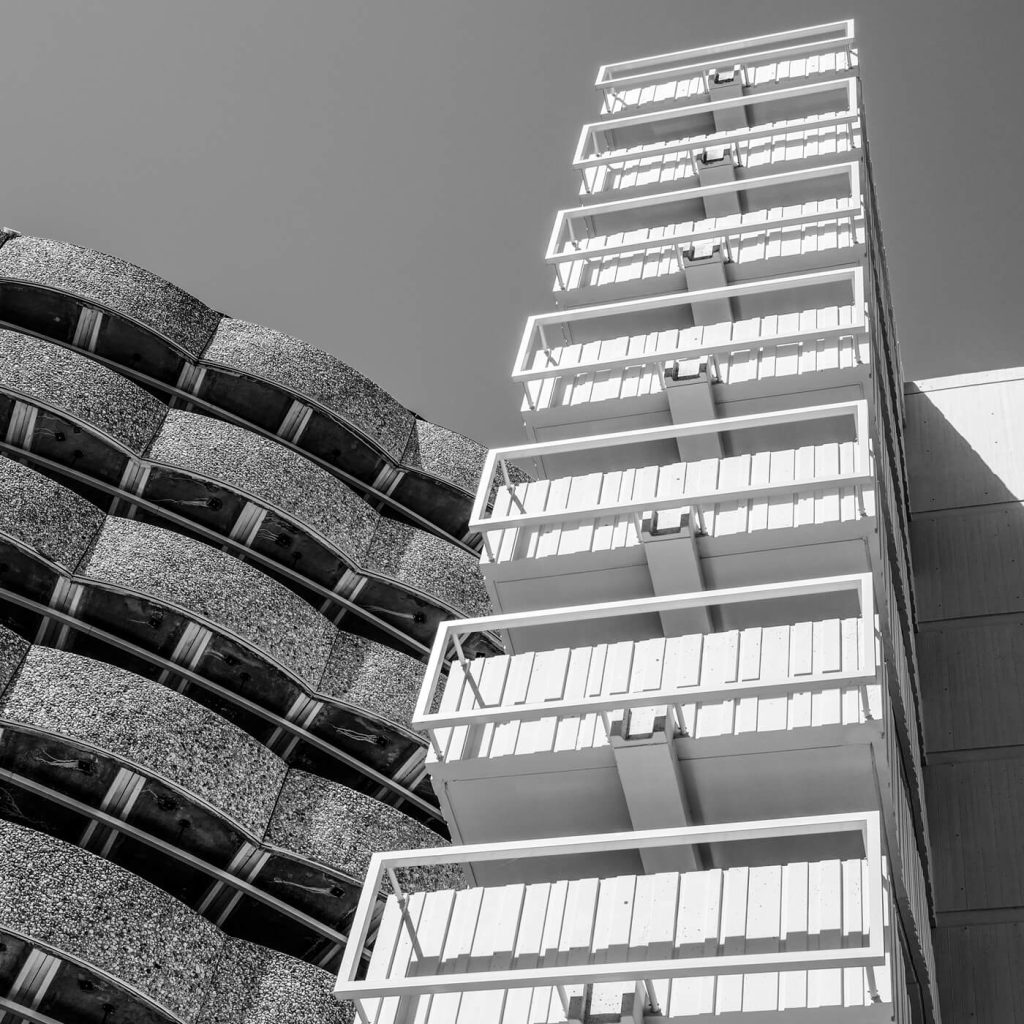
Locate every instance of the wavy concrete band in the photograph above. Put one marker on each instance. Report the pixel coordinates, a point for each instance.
(205, 623)
(222, 553)
(157, 334)
(80, 422)
(161, 955)
(140, 775)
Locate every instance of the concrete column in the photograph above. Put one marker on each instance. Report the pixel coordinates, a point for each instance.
(725, 84)
(704, 267)
(670, 545)
(651, 780)
(688, 385)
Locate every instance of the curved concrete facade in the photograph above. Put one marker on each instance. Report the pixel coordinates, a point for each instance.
(223, 555)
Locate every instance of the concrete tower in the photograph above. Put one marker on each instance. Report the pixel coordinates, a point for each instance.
(691, 786)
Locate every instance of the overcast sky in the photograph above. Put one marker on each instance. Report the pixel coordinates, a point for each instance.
(379, 177)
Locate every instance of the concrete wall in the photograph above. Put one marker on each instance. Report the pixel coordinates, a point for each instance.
(965, 449)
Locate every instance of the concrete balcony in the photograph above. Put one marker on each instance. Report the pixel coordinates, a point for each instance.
(714, 252)
(707, 700)
(715, 79)
(636, 513)
(621, 245)
(692, 139)
(610, 227)
(717, 351)
(724, 156)
(718, 663)
(696, 75)
(791, 917)
(783, 699)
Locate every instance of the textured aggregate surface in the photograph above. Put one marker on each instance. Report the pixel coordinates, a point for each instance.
(430, 564)
(259, 986)
(93, 909)
(445, 454)
(268, 470)
(212, 583)
(342, 829)
(149, 724)
(78, 385)
(13, 649)
(115, 283)
(372, 676)
(47, 517)
(308, 370)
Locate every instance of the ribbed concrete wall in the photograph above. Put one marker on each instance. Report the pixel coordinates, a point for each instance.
(222, 554)
(967, 531)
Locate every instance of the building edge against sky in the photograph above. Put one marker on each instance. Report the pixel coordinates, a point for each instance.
(694, 785)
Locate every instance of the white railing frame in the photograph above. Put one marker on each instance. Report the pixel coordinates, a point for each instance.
(734, 52)
(563, 231)
(448, 633)
(871, 954)
(534, 339)
(583, 158)
(482, 518)
(611, 92)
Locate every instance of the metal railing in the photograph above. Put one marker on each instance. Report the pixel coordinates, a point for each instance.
(449, 633)
(548, 337)
(485, 519)
(761, 70)
(596, 146)
(573, 225)
(666, 65)
(872, 953)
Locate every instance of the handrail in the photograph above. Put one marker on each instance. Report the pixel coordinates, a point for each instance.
(611, 90)
(565, 218)
(534, 339)
(734, 50)
(448, 634)
(498, 458)
(584, 155)
(849, 212)
(872, 953)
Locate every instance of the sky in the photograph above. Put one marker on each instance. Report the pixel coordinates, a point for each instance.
(379, 177)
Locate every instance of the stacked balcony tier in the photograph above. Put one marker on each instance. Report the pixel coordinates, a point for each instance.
(629, 527)
(739, 247)
(757, 73)
(699, 573)
(742, 931)
(700, 74)
(792, 340)
(175, 346)
(221, 554)
(202, 622)
(87, 426)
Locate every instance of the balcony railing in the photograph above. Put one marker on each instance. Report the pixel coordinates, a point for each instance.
(589, 230)
(708, 482)
(574, 932)
(566, 685)
(828, 230)
(777, 45)
(819, 306)
(683, 128)
(695, 82)
(817, 137)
